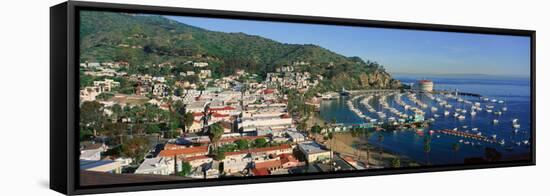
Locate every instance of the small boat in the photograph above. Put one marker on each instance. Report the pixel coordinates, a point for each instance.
(494, 136)
(498, 113)
(446, 113)
(516, 126)
(434, 109)
(461, 141)
(516, 130)
(465, 126)
(478, 134)
(501, 142)
(461, 117)
(526, 142)
(436, 115)
(485, 98)
(475, 129)
(493, 100)
(466, 142)
(515, 120)
(473, 113)
(504, 109)
(501, 101)
(489, 111)
(495, 121)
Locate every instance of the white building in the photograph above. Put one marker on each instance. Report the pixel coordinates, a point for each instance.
(200, 64)
(251, 124)
(313, 151)
(157, 165)
(106, 85)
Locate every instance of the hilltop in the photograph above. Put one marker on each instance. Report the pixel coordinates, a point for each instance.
(145, 40)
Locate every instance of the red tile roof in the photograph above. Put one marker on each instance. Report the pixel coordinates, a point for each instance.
(218, 115)
(269, 164)
(173, 147)
(260, 172)
(196, 158)
(285, 158)
(222, 108)
(268, 91)
(184, 151)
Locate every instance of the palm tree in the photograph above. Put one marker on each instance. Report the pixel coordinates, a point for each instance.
(215, 134)
(456, 148)
(331, 137)
(206, 115)
(380, 140)
(427, 148)
(367, 135)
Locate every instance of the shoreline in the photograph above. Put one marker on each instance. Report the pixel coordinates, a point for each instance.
(377, 157)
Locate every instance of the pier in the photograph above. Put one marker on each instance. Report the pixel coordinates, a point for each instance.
(458, 93)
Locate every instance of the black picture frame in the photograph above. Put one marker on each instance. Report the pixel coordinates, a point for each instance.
(64, 114)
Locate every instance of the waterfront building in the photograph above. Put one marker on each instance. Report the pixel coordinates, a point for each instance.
(424, 86)
(313, 151)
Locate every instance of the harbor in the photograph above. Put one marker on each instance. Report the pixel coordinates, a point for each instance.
(406, 118)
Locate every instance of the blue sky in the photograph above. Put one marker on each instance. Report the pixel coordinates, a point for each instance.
(399, 51)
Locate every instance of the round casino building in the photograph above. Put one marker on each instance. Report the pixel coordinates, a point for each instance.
(424, 86)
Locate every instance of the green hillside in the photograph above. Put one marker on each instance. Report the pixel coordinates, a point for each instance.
(144, 40)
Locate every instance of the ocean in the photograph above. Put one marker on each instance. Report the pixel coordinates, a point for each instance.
(515, 92)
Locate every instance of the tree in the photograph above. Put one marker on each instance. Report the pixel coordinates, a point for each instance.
(492, 154)
(91, 116)
(185, 169)
(188, 119)
(332, 146)
(456, 147)
(220, 154)
(152, 128)
(117, 112)
(135, 148)
(380, 140)
(396, 163)
(316, 129)
(105, 96)
(242, 144)
(116, 129)
(367, 135)
(260, 142)
(216, 132)
(427, 148)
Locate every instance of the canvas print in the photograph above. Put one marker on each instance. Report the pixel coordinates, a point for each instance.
(180, 98)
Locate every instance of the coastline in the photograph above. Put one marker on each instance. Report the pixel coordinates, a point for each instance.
(343, 144)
